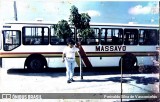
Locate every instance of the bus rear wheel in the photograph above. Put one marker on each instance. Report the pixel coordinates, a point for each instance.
(35, 63)
(128, 61)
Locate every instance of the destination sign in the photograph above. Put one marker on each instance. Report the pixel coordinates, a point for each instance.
(6, 26)
(110, 48)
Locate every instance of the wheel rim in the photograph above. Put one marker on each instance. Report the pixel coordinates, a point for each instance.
(127, 63)
(36, 64)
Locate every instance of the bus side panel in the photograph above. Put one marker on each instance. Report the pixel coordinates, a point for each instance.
(17, 63)
(56, 62)
(104, 61)
(146, 60)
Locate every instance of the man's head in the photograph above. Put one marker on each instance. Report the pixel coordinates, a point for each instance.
(70, 43)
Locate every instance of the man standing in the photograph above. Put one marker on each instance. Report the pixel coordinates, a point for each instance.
(68, 57)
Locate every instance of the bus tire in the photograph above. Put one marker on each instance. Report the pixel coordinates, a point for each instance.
(36, 63)
(127, 62)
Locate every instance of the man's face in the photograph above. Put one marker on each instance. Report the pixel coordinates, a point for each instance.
(70, 45)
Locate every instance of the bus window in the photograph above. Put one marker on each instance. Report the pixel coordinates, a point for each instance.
(91, 38)
(94, 40)
(97, 36)
(73, 35)
(112, 36)
(35, 35)
(148, 37)
(103, 36)
(158, 36)
(11, 40)
(54, 39)
(130, 36)
(58, 40)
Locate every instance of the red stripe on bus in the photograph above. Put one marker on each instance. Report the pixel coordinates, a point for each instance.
(61, 52)
(83, 53)
(121, 53)
(31, 53)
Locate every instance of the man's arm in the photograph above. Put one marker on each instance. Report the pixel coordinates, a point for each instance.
(63, 57)
(78, 46)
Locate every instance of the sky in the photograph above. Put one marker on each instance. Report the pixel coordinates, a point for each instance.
(100, 11)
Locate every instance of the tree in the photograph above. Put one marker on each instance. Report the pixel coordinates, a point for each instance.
(63, 30)
(85, 19)
(81, 22)
(75, 17)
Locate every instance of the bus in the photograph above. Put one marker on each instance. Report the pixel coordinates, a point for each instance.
(35, 45)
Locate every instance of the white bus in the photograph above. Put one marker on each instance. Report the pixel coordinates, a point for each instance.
(34, 45)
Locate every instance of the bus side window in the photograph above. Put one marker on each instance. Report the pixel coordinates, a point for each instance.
(103, 36)
(158, 36)
(112, 36)
(117, 36)
(35, 35)
(141, 37)
(115, 40)
(148, 37)
(130, 36)
(92, 38)
(58, 39)
(152, 38)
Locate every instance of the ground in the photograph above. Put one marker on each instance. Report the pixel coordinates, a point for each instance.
(96, 85)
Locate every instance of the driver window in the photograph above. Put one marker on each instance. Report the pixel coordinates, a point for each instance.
(11, 40)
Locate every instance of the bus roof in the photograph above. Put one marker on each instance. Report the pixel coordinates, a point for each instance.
(92, 23)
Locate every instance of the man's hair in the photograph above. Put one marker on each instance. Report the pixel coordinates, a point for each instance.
(70, 41)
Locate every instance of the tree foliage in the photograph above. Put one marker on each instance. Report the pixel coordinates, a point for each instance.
(81, 22)
(75, 17)
(62, 29)
(85, 19)
(87, 33)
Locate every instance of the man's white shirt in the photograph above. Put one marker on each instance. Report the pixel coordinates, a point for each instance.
(70, 52)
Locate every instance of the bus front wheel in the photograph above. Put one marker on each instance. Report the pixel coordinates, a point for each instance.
(35, 63)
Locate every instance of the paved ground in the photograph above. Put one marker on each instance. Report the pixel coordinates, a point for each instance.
(20, 81)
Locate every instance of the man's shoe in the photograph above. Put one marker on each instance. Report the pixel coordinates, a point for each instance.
(72, 80)
(68, 81)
